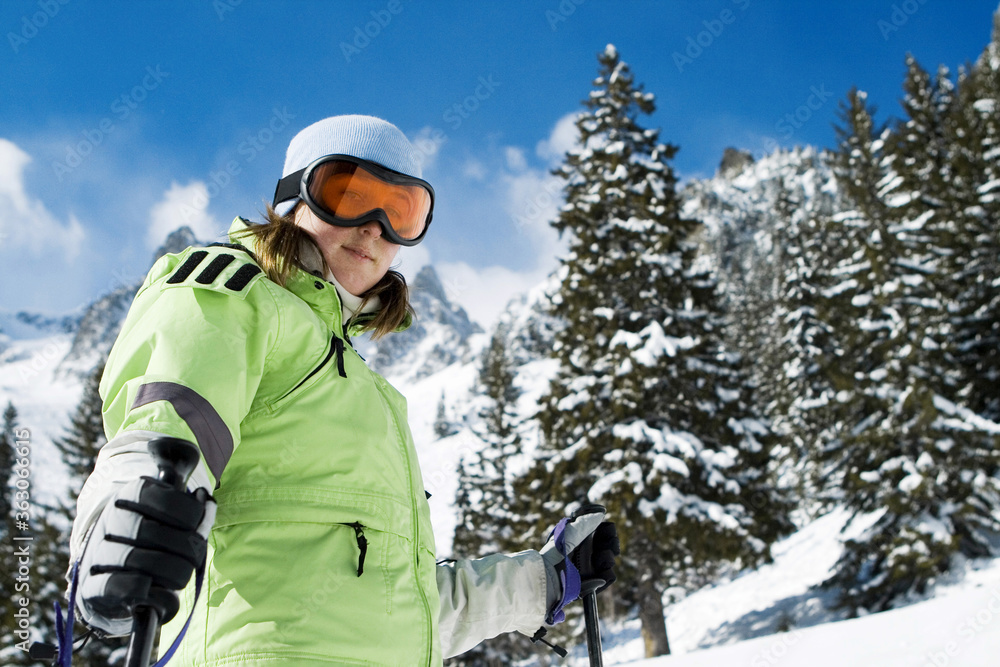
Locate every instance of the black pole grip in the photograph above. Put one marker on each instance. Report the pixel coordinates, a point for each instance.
(176, 460)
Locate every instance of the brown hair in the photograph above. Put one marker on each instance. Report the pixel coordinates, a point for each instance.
(276, 246)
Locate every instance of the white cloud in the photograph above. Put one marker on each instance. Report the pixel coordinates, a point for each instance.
(474, 170)
(182, 205)
(26, 222)
(484, 293)
(428, 142)
(563, 137)
(533, 198)
(515, 158)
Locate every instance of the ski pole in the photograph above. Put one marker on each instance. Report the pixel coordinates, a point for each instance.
(176, 460)
(588, 590)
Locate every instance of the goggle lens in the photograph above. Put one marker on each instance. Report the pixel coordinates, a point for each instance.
(349, 191)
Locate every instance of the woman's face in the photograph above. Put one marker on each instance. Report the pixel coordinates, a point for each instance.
(358, 256)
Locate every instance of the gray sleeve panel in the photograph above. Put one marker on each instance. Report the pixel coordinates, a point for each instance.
(214, 438)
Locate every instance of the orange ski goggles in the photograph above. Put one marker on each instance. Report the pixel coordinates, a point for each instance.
(348, 192)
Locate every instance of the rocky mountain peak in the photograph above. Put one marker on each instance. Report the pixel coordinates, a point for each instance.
(439, 336)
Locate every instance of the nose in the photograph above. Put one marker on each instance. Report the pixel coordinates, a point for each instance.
(372, 227)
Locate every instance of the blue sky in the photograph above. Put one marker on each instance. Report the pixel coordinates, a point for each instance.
(120, 121)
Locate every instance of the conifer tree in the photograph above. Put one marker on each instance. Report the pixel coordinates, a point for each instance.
(79, 448)
(973, 131)
(442, 425)
(487, 524)
(649, 413)
(797, 388)
(909, 458)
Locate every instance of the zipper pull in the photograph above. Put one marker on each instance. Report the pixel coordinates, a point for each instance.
(359, 533)
(338, 345)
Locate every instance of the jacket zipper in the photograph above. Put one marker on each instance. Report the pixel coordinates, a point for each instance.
(359, 535)
(336, 347)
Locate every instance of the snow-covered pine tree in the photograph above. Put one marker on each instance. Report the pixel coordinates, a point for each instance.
(649, 413)
(79, 447)
(973, 129)
(486, 522)
(443, 426)
(908, 460)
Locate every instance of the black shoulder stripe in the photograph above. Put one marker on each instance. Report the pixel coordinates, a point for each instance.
(234, 246)
(243, 275)
(193, 260)
(212, 271)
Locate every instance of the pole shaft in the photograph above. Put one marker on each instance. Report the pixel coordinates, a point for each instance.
(145, 622)
(593, 630)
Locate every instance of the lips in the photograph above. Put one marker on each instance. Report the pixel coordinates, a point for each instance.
(361, 253)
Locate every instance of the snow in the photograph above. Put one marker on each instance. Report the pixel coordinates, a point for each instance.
(45, 399)
(736, 623)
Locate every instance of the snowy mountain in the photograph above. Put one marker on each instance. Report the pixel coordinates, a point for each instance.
(440, 335)
(747, 201)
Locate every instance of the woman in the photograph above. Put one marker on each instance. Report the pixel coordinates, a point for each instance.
(308, 499)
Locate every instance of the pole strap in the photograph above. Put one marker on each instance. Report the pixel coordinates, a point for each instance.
(64, 628)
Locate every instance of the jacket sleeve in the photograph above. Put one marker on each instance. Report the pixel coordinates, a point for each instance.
(187, 363)
(485, 597)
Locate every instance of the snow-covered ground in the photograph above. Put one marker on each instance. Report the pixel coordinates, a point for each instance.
(733, 623)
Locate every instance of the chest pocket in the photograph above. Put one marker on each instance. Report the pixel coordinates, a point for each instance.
(334, 357)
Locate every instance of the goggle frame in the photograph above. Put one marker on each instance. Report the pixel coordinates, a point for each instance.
(284, 191)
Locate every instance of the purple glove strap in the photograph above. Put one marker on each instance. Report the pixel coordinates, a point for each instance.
(569, 576)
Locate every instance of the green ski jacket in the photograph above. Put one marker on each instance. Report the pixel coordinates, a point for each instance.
(322, 550)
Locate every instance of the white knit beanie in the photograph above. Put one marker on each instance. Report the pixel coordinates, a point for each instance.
(364, 137)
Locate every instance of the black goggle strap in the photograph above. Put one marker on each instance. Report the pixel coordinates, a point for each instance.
(288, 187)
